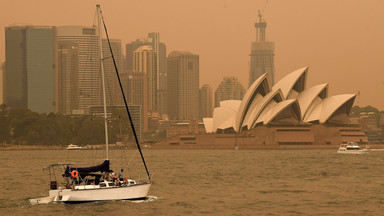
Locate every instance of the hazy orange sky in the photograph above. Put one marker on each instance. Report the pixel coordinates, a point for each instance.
(341, 41)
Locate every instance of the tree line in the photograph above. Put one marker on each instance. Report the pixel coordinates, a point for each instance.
(24, 127)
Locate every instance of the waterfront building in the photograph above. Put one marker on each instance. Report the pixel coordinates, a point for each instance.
(262, 54)
(183, 85)
(229, 89)
(205, 101)
(30, 53)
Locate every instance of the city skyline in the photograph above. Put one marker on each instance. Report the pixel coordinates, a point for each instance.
(335, 39)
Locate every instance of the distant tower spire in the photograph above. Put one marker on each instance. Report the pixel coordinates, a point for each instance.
(262, 54)
(260, 29)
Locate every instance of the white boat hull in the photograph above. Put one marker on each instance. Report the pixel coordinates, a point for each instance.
(130, 192)
(353, 152)
(351, 148)
(42, 200)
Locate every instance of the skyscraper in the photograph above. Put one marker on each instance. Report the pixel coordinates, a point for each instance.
(2, 84)
(144, 61)
(183, 85)
(161, 56)
(68, 89)
(229, 89)
(205, 101)
(262, 54)
(89, 78)
(112, 88)
(159, 48)
(30, 53)
(136, 92)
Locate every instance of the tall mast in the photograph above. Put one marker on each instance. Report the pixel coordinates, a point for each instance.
(103, 81)
(125, 100)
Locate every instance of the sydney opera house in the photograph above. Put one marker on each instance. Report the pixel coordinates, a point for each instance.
(286, 115)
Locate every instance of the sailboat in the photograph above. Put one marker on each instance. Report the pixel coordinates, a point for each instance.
(91, 183)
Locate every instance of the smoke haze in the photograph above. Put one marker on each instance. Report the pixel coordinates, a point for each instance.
(342, 42)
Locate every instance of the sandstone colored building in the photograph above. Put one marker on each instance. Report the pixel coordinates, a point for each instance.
(287, 115)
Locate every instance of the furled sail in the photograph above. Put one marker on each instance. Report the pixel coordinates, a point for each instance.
(104, 167)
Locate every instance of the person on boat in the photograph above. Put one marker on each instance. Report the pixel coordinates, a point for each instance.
(110, 175)
(113, 177)
(121, 173)
(67, 177)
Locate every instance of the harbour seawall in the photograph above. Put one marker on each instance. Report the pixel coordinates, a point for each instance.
(267, 137)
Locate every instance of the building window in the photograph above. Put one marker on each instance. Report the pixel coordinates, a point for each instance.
(190, 65)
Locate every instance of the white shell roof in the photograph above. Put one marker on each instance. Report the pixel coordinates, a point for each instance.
(308, 96)
(248, 119)
(221, 115)
(228, 123)
(309, 105)
(208, 124)
(261, 106)
(280, 107)
(265, 112)
(231, 104)
(286, 84)
(324, 110)
(249, 97)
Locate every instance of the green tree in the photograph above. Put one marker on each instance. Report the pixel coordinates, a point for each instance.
(90, 132)
(5, 127)
(356, 110)
(21, 121)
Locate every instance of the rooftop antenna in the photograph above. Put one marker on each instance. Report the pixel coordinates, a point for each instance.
(260, 29)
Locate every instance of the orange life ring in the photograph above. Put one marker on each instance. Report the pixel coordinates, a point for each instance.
(74, 173)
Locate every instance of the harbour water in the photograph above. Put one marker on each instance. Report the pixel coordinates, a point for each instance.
(213, 182)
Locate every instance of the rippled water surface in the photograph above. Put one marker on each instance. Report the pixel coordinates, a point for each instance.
(213, 182)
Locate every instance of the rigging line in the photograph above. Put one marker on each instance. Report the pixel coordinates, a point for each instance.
(125, 101)
(125, 158)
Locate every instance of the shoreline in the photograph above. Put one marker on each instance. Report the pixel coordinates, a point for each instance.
(292, 147)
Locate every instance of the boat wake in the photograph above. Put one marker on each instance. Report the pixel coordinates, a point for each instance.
(147, 199)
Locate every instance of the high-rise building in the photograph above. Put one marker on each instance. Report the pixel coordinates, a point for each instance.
(2, 83)
(68, 90)
(145, 62)
(112, 88)
(205, 103)
(89, 86)
(136, 93)
(262, 54)
(30, 53)
(130, 49)
(183, 85)
(89, 77)
(229, 89)
(159, 48)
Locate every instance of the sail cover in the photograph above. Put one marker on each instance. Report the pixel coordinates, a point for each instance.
(104, 167)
